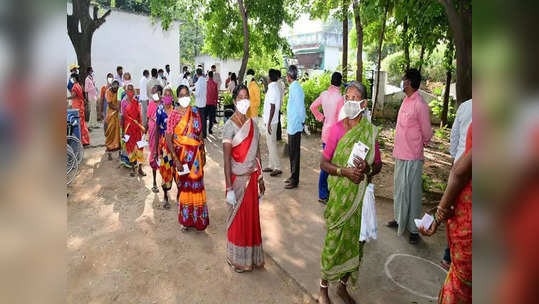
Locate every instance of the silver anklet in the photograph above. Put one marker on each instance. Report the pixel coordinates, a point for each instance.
(322, 285)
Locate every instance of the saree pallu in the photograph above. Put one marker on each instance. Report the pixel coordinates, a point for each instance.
(342, 251)
(124, 159)
(112, 125)
(78, 103)
(166, 166)
(152, 109)
(244, 238)
(133, 128)
(192, 208)
(457, 287)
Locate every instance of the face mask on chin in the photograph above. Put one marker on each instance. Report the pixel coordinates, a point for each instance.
(184, 101)
(243, 106)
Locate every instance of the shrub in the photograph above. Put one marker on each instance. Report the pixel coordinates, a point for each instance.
(437, 106)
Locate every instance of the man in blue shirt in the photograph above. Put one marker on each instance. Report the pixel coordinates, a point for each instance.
(295, 115)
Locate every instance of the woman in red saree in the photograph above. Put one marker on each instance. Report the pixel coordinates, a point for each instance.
(132, 125)
(77, 102)
(243, 176)
(456, 208)
(183, 137)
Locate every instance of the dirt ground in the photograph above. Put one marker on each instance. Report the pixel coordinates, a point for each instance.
(123, 247)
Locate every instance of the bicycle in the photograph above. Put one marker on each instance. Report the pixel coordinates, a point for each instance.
(72, 165)
(75, 152)
(74, 142)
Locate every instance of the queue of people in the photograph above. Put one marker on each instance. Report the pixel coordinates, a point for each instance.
(176, 134)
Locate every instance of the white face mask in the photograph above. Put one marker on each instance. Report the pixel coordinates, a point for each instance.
(184, 102)
(243, 105)
(350, 110)
(110, 79)
(155, 96)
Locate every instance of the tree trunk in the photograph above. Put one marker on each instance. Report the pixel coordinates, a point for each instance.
(380, 42)
(449, 67)
(446, 98)
(461, 27)
(359, 32)
(406, 42)
(82, 39)
(345, 40)
(245, 41)
(421, 56)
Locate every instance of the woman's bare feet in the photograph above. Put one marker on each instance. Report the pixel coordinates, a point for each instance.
(343, 294)
(109, 156)
(140, 172)
(324, 297)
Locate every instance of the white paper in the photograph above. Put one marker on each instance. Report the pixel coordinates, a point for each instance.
(142, 143)
(425, 222)
(185, 170)
(126, 138)
(360, 150)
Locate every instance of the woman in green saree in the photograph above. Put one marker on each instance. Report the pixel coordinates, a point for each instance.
(342, 251)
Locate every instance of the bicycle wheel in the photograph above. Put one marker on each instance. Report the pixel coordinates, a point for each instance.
(72, 165)
(77, 147)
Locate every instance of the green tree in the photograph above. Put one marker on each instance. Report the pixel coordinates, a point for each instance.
(459, 13)
(80, 29)
(235, 28)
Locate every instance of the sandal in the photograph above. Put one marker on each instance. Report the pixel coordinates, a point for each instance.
(166, 205)
(155, 189)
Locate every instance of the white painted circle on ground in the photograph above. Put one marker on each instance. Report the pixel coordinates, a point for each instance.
(416, 275)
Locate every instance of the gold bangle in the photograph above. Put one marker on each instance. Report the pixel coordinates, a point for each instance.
(339, 171)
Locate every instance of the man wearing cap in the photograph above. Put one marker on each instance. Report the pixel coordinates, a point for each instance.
(73, 69)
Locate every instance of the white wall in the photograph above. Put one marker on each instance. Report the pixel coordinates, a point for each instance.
(332, 58)
(223, 66)
(133, 42)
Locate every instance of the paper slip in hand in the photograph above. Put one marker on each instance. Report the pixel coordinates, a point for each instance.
(126, 138)
(185, 170)
(360, 150)
(142, 143)
(425, 222)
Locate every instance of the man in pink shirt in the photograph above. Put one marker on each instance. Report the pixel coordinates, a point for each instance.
(91, 92)
(413, 132)
(331, 101)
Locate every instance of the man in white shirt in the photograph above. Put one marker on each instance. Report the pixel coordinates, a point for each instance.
(272, 105)
(216, 76)
(143, 96)
(167, 74)
(200, 99)
(463, 119)
(91, 92)
(119, 75)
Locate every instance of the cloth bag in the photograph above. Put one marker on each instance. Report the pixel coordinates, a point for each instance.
(368, 216)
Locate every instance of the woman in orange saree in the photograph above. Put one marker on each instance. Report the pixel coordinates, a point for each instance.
(243, 177)
(77, 102)
(112, 121)
(132, 125)
(456, 208)
(183, 138)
